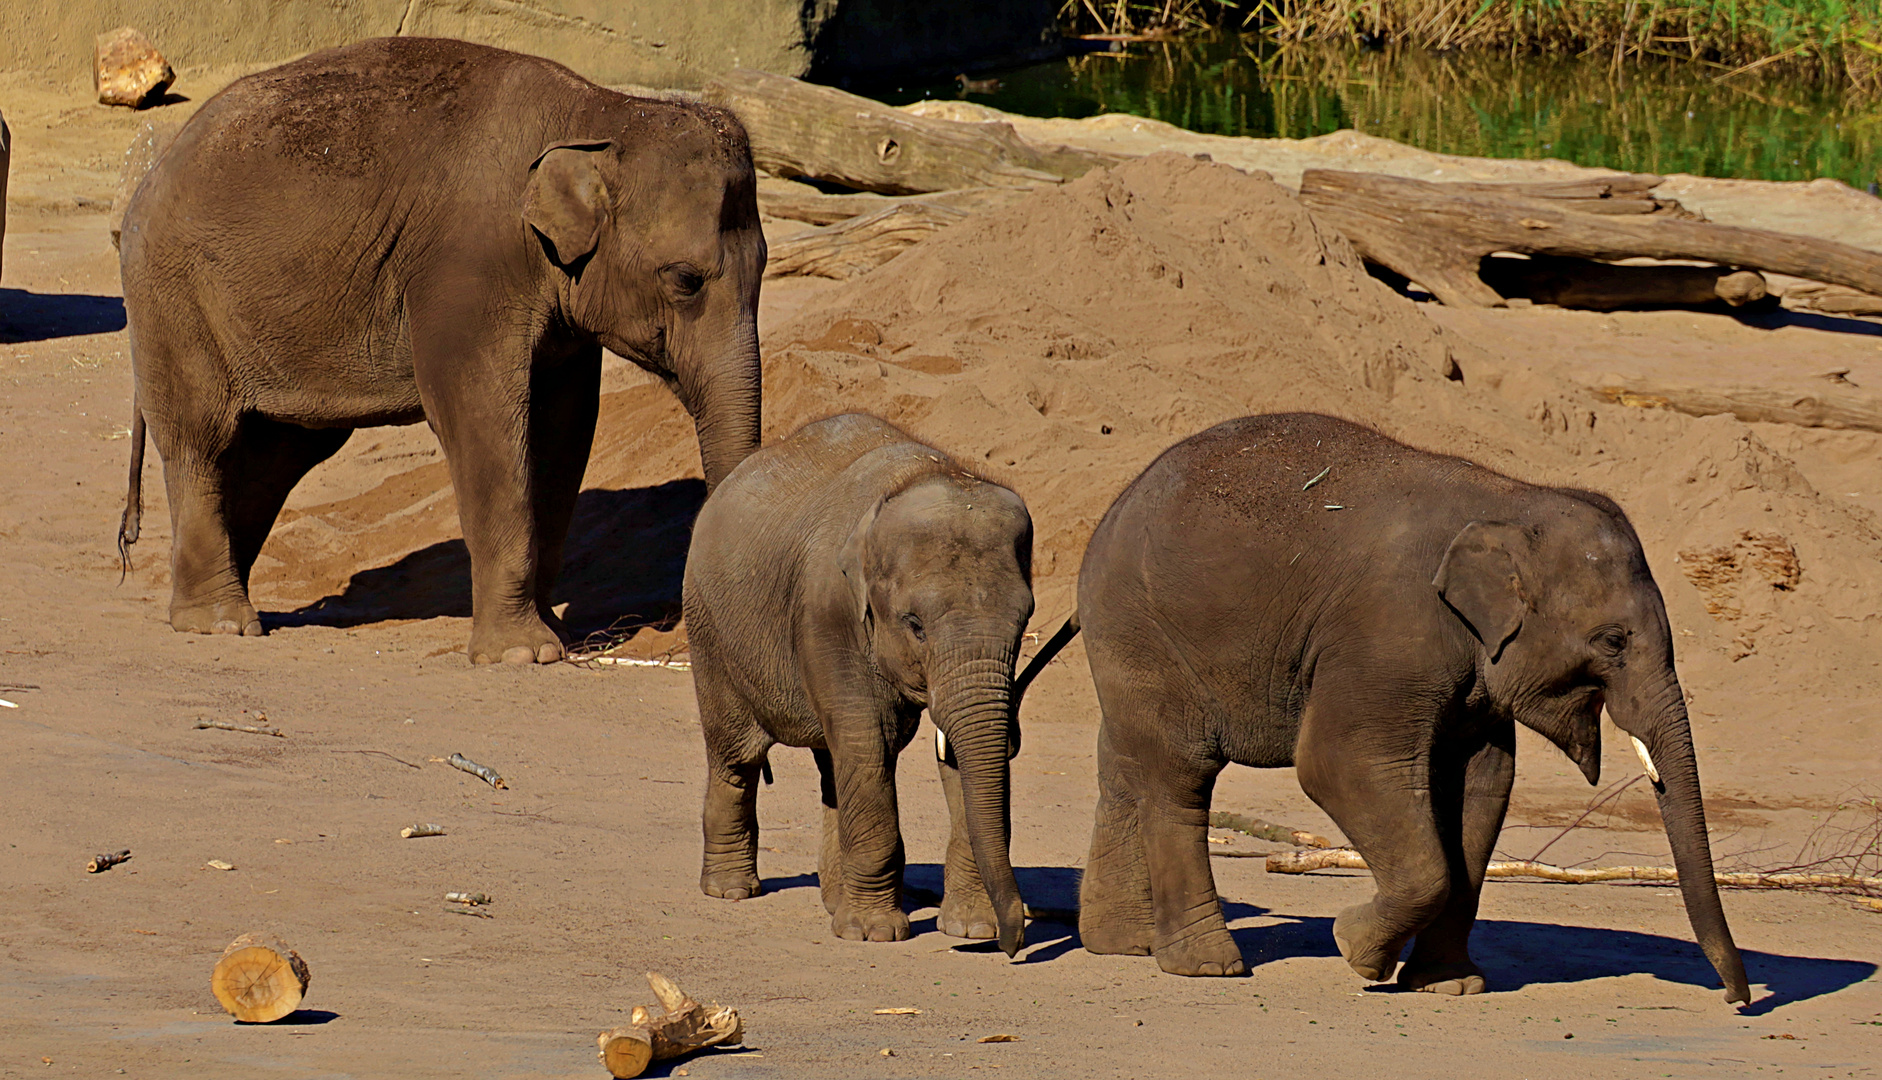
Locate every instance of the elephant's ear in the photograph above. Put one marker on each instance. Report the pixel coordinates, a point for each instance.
(567, 199)
(1480, 580)
(850, 561)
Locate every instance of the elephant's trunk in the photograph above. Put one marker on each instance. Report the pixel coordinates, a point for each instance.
(970, 699)
(1662, 726)
(722, 390)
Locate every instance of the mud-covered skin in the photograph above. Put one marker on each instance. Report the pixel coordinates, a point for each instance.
(413, 229)
(838, 582)
(1298, 590)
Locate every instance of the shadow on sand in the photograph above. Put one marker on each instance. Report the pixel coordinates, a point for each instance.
(29, 316)
(624, 561)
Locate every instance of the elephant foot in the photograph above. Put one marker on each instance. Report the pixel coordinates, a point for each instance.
(972, 918)
(524, 643)
(730, 884)
(229, 617)
(1355, 931)
(1453, 978)
(1209, 955)
(875, 924)
(1114, 937)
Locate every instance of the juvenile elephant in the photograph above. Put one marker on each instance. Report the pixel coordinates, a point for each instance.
(1298, 590)
(411, 229)
(838, 582)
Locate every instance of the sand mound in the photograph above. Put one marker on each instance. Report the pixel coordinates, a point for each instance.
(1064, 342)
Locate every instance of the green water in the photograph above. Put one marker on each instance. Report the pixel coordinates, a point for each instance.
(1659, 116)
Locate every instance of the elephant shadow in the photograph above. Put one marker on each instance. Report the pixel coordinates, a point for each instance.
(622, 565)
(1051, 892)
(28, 316)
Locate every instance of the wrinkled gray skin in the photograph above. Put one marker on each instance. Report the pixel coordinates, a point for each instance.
(1386, 650)
(412, 229)
(839, 582)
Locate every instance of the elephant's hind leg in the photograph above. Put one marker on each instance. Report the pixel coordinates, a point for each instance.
(1475, 795)
(735, 755)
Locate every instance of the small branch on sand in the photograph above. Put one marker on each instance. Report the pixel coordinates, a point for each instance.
(468, 899)
(1262, 830)
(412, 832)
(251, 729)
(471, 911)
(482, 772)
(684, 1027)
(1303, 862)
(100, 863)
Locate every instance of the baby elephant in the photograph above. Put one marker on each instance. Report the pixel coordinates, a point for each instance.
(1297, 590)
(839, 582)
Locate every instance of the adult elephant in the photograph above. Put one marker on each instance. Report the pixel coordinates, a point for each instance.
(1299, 590)
(413, 229)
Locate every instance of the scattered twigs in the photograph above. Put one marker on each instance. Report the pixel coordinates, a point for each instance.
(482, 772)
(412, 832)
(471, 911)
(1601, 799)
(1304, 862)
(684, 1026)
(100, 863)
(251, 729)
(469, 899)
(1262, 830)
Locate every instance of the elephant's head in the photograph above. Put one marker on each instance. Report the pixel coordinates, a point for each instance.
(1568, 619)
(654, 238)
(941, 576)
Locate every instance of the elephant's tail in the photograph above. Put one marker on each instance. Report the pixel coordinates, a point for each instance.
(1060, 639)
(133, 518)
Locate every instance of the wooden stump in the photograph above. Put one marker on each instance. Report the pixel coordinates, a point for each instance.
(259, 979)
(684, 1027)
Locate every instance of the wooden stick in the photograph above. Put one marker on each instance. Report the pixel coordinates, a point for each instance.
(259, 979)
(100, 863)
(471, 899)
(251, 729)
(412, 832)
(1255, 827)
(1832, 405)
(684, 1027)
(482, 772)
(1303, 862)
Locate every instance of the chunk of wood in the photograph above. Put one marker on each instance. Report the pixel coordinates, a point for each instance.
(1831, 300)
(128, 70)
(1305, 862)
(259, 979)
(250, 729)
(482, 772)
(793, 200)
(1595, 286)
(1438, 235)
(100, 863)
(413, 832)
(683, 1026)
(860, 244)
(1837, 404)
(820, 132)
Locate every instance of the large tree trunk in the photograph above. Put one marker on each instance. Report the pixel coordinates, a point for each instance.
(1439, 234)
(970, 699)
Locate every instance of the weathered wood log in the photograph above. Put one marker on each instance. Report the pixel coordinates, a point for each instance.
(860, 244)
(684, 1027)
(1305, 862)
(1621, 193)
(1264, 830)
(1831, 300)
(801, 129)
(1438, 235)
(793, 201)
(1595, 286)
(1839, 404)
(259, 979)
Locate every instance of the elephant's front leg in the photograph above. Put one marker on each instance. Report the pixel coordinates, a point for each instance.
(869, 837)
(735, 753)
(479, 404)
(1476, 796)
(1372, 776)
(966, 909)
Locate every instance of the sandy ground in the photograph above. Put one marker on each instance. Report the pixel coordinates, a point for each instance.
(1011, 341)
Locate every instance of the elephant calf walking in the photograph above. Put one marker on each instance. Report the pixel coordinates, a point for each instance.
(838, 582)
(1298, 590)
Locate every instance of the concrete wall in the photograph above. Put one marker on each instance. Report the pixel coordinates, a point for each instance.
(663, 43)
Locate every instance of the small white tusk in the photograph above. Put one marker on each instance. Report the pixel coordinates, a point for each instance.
(941, 745)
(1646, 759)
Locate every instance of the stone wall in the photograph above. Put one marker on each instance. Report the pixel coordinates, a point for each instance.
(662, 43)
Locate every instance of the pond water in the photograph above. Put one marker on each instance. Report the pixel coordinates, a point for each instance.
(1654, 116)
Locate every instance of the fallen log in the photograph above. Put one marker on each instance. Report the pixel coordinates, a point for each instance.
(1305, 862)
(684, 1026)
(1622, 193)
(1264, 830)
(1839, 404)
(1439, 234)
(1831, 300)
(860, 244)
(794, 201)
(1595, 286)
(259, 979)
(822, 133)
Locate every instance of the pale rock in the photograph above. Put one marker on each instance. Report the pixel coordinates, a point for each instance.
(128, 70)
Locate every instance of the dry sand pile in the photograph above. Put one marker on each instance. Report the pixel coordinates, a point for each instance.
(1063, 343)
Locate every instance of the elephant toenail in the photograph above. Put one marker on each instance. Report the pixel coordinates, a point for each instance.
(549, 654)
(1210, 967)
(519, 654)
(252, 630)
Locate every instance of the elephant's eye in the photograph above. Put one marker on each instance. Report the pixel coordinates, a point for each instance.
(913, 622)
(684, 280)
(1611, 639)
